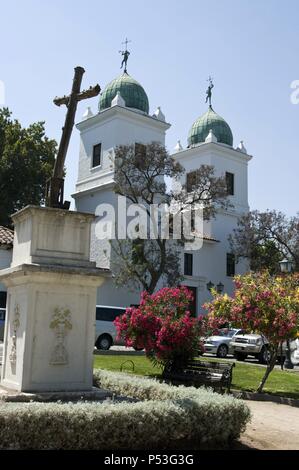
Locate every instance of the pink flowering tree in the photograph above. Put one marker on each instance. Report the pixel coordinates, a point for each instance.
(262, 304)
(163, 326)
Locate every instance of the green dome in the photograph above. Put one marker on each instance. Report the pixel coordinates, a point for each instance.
(210, 120)
(131, 91)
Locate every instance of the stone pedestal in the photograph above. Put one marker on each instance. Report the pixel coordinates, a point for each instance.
(50, 321)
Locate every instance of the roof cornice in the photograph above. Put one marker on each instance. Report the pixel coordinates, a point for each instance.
(93, 189)
(216, 147)
(129, 113)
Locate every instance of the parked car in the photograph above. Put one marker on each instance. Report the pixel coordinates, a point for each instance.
(295, 351)
(105, 328)
(221, 344)
(2, 323)
(256, 345)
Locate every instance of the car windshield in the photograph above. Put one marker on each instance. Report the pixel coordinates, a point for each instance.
(2, 314)
(226, 332)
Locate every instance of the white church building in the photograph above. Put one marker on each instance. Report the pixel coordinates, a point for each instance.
(124, 118)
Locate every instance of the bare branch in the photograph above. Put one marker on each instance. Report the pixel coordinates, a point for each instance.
(140, 173)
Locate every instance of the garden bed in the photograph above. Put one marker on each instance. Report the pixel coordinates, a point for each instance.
(164, 416)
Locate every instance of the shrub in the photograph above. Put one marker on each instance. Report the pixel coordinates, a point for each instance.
(89, 425)
(163, 326)
(211, 417)
(265, 304)
(172, 415)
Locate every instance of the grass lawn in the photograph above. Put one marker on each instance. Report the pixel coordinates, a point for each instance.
(245, 376)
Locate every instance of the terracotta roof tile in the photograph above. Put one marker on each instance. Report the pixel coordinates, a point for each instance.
(6, 236)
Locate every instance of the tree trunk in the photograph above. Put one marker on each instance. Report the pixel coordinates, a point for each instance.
(281, 356)
(270, 367)
(151, 286)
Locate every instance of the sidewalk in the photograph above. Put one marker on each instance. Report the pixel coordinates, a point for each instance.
(273, 427)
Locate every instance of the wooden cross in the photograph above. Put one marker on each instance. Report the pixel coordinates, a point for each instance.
(125, 55)
(126, 43)
(55, 186)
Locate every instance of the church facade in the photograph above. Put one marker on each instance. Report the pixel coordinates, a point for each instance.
(124, 118)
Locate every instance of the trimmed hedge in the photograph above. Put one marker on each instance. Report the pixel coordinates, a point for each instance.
(174, 414)
(210, 417)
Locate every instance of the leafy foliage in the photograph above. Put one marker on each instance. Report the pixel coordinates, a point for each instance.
(163, 326)
(26, 160)
(140, 173)
(263, 304)
(265, 238)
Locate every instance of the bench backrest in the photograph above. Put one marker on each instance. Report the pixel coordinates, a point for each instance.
(212, 366)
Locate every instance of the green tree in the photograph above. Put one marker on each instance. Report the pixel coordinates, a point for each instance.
(266, 256)
(27, 158)
(265, 238)
(263, 304)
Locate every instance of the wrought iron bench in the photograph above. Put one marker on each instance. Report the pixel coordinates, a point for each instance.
(217, 375)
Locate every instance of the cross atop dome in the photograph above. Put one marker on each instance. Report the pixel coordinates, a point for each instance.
(210, 127)
(124, 90)
(209, 91)
(125, 55)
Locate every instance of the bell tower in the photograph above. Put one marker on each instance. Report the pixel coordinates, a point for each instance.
(122, 119)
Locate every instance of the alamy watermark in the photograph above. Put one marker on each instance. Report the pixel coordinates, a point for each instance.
(2, 93)
(294, 97)
(156, 221)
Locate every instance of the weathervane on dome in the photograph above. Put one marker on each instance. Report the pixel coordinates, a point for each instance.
(125, 55)
(209, 91)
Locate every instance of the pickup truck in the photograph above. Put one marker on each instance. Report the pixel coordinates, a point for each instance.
(244, 345)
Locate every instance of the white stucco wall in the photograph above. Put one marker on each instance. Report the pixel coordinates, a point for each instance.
(112, 127)
(5, 260)
(224, 159)
(209, 263)
(100, 250)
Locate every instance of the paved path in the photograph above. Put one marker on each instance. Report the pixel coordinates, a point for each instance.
(273, 427)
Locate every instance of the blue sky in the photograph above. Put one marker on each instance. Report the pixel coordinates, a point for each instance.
(250, 47)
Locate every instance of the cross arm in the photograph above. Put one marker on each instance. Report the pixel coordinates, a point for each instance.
(83, 95)
(90, 93)
(59, 101)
